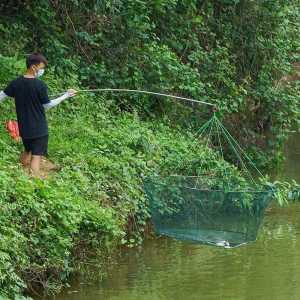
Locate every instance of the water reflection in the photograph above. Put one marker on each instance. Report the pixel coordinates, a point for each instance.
(292, 164)
(168, 269)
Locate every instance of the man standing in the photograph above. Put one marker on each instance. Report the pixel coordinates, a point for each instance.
(31, 100)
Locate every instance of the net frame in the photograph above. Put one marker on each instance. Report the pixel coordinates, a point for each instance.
(250, 218)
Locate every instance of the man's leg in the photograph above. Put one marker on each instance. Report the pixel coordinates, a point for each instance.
(25, 159)
(35, 164)
(39, 148)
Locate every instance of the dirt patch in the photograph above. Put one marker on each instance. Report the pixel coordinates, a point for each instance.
(47, 167)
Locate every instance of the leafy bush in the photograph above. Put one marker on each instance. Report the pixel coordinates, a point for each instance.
(230, 53)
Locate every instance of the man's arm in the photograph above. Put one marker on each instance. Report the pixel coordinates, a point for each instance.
(2, 96)
(55, 102)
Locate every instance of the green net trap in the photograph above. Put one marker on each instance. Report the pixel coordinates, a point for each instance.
(209, 209)
(182, 208)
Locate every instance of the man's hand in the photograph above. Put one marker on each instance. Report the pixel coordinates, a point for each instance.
(71, 92)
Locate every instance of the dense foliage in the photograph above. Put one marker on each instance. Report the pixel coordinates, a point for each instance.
(230, 53)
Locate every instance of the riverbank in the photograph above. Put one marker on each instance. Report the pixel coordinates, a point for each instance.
(96, 202)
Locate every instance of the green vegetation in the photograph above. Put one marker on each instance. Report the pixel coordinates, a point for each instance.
(230, 53)
(96, 200)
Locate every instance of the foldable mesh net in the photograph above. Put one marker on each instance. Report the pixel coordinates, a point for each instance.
(183, 208)
(217, 209)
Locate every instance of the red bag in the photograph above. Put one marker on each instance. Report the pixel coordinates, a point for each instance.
(13, 129)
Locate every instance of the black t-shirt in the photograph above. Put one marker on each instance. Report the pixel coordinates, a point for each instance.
(30, 94)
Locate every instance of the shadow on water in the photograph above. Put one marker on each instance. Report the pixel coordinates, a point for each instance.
(292, 164)
(168, 269)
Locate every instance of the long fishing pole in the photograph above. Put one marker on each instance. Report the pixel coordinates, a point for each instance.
(142, 92)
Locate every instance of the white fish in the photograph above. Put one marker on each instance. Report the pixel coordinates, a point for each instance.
(223, 244)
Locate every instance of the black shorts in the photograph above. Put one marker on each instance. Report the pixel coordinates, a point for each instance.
(37, 146)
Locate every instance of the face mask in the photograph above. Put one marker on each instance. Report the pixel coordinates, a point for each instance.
(40, 72)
